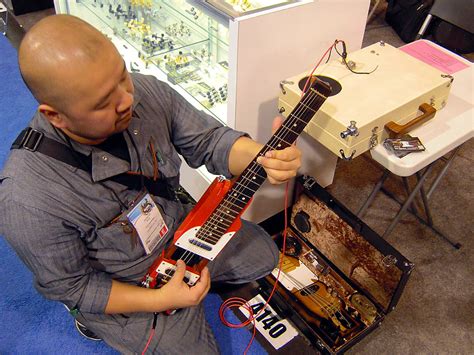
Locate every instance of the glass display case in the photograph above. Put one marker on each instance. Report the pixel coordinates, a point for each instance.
(188, 46)
(227, 57)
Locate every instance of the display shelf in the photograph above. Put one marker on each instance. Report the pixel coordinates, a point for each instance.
(236, 8)
(191, 51)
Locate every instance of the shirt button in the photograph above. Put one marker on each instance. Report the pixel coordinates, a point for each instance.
(104, 158)
(135, 132)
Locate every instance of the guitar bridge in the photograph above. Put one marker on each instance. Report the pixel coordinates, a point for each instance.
(161, 274)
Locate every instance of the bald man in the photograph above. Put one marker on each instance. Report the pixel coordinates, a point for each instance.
(65, 212)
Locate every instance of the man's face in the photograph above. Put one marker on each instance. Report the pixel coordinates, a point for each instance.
(99, 102)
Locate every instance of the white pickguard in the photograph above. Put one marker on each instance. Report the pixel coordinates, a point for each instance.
(206, 250)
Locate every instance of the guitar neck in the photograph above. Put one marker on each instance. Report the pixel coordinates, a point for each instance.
(254, 175)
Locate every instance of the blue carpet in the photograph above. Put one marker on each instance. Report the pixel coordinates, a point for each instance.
(29, 324)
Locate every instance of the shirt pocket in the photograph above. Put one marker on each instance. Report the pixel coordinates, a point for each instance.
(113, 246)
(117, 246)
(167, 159)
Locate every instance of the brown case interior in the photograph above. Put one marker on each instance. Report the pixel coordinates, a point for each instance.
(374, 271)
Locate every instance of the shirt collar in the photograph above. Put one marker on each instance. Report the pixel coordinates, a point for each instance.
(104, 165)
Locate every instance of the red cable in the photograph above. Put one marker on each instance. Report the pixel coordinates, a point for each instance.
(317, 65)
(237, 302)
(149, 341)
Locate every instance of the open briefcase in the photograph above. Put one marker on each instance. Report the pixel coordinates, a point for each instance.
(339, 278)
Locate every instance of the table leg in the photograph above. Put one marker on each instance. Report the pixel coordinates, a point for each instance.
(371, 197)
(424, 198)
(409, 200)
(442, 172)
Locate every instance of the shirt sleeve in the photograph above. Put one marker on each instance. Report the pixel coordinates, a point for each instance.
(52, 249)
(198, 137)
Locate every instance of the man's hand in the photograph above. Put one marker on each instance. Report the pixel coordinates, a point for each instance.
(281, 165)
(177, 294)
(126, 298)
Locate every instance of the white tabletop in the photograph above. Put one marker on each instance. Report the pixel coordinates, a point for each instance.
(451, 127)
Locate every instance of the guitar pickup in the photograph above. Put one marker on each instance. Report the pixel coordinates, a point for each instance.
(200, 244)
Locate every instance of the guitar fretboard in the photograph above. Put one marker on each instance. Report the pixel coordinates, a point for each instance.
(254, 175)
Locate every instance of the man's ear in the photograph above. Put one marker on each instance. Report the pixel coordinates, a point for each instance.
(52, 115)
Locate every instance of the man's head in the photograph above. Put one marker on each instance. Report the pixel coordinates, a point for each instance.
(78, 77)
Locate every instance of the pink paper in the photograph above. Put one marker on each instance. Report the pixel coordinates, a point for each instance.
(434, 57)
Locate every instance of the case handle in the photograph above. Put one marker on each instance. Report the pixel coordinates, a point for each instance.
(395, 130)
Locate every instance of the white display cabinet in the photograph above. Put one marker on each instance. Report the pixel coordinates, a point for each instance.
(227, 57)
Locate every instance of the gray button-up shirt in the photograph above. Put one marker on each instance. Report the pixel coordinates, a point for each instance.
(57, 217)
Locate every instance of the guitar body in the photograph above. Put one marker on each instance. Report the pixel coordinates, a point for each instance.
(317, 299)
(188, 245)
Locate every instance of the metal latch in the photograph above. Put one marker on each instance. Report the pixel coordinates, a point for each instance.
(352, 130)
(282, 85)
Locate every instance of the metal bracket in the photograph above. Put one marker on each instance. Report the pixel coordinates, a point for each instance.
(448, 76)
(374, 139)
(282, 85)
(343, 156)
(309, 181)
(351, 130)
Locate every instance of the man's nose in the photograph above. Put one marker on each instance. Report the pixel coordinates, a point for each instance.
(125, 103)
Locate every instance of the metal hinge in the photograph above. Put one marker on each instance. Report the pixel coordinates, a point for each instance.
(343, 156)
(309, 182)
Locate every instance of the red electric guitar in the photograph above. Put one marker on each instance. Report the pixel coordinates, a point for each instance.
(216, 217)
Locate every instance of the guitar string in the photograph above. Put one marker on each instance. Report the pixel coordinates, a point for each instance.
(294, 118)
(229, 199)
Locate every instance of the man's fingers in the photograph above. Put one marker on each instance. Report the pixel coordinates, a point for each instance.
(280, 176)
(287, 154)
(205, 281)
(276, 164)
(179, 272)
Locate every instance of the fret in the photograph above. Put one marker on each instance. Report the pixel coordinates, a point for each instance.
(214, 227)
(237, 203)
(299, 119)
(318, 93)
(226, 210)
(307, 107)
(279, 144)
(297, 133)
(251, 181)
(221, 227)
(241, 195)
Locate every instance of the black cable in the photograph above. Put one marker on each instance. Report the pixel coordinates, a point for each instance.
(142, 178)
(343, 55)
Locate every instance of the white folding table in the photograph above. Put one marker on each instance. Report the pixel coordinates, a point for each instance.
(442, 135)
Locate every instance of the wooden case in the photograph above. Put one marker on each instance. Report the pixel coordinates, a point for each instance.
(352, 120)
(339, 278)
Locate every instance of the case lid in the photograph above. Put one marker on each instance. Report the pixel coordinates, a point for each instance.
(366, 260)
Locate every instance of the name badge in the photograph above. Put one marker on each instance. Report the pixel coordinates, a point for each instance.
(149, 223)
